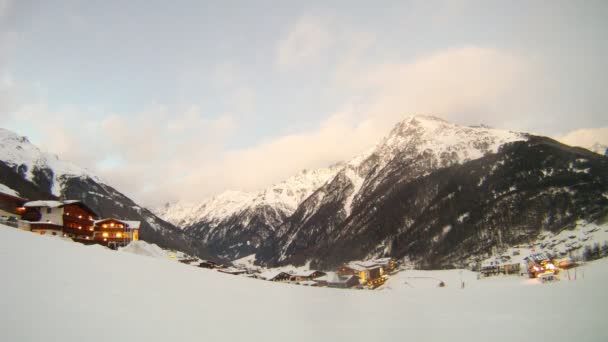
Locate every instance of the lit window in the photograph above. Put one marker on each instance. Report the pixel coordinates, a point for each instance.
(105, 226)
(111, 224)
(91, 228)
(104, 235)
(118, 235)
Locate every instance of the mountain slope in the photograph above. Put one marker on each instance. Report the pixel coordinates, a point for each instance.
(39, 175)
(415, 147)
(235, 224)
(443, 195)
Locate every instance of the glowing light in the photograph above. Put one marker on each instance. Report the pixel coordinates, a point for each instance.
(105, 235)
(79, 216)
(118, 235)
(80, 227)
(111, 224)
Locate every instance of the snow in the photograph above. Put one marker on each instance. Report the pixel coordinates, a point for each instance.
(91, 293)
(144, 248)
(6, 190)
(284, 196)
(46, 204)
(16, 150)
(357, 182)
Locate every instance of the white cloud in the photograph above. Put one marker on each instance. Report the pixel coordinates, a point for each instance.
(306, 42)
(586, 137)
(167, 155)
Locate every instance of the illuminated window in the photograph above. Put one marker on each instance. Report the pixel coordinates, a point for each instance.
(105, 235)
(112, 224)
(118, 235)
(91, 228)
(105, 226)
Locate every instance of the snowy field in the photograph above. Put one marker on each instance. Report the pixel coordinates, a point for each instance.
(56, 290)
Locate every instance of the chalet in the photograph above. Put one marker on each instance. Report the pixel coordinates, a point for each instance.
(275, 276)
(11, 205)
(370, 273)
(332, 279)
(115, 233)
(305, 275)
(496, 267)
(68, 218)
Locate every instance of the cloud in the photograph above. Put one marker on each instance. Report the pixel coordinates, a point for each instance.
(445, 83)
(149, 149)
(163, 154)
(586, 137)
(305, 43)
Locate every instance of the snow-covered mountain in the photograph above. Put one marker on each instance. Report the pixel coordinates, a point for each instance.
(235, 223)
(284, 196)
(35, 165)
(36, 174)
(440, 194)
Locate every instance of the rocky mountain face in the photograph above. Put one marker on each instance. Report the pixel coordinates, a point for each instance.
(236, 224)
(38, 175)
(439, 194)
(454, 215)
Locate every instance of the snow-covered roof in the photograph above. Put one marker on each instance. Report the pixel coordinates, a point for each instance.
(334, 278)
(44, 204)
(128, 224)
(302, 273)
(269, 275)
(307, 282)
(8, 191)
(232, 270)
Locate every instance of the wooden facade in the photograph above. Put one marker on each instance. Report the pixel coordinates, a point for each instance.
(115, 233)
(11, 205)
(303, 276)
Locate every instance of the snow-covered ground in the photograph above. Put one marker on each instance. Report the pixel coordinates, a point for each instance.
(57, 290)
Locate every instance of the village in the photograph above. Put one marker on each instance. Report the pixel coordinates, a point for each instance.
(74, 220)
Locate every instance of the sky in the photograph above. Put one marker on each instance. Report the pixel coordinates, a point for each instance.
(182, 100)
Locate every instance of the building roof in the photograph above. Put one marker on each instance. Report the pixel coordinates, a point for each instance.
(43, 204)
(58, 204)
(334, 278)
(232, 270)
(300, 273)
(270, 275)
(8, 192)
(128, 224)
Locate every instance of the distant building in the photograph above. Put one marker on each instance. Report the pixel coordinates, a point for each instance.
(115, 233)
(275, 276)
(371, 273)
(305, 275)
(333, 279)
(11, 205)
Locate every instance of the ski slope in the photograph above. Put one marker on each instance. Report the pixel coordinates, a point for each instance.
(57, 290)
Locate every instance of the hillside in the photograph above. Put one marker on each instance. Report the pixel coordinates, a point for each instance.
(443, 195)
(146, 299)
(36, 174)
